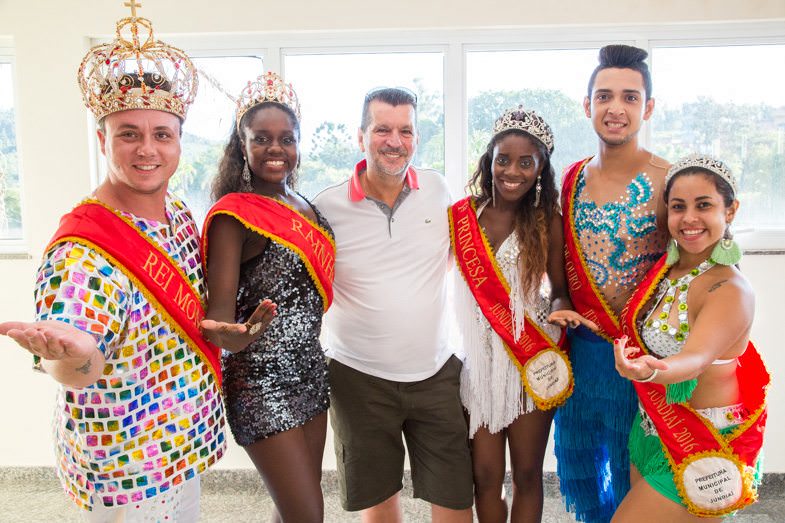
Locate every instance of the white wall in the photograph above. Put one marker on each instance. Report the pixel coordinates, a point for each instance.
(50, 37)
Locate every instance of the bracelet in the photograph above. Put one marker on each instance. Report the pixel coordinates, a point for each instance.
(650, 378)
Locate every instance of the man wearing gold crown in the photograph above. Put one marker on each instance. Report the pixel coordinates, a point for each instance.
(119, 302)
(392, 371)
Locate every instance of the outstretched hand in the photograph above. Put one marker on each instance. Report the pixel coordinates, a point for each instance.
(51, 339)
(631, 367)
(237, 336)
(568, 318)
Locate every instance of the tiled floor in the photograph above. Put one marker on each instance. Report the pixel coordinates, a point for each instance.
(33, 495)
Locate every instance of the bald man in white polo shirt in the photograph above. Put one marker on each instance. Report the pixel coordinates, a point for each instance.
(392, 371)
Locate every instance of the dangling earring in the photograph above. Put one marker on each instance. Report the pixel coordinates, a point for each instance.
(493, 192)
(246, 176)
(727, 251)
(673, 252)
(291, 179)
(537, 191)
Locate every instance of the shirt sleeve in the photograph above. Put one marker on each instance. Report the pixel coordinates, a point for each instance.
(78, 286)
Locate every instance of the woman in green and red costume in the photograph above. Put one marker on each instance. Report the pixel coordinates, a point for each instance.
(700, 382)
(270, 253)
(511, 303)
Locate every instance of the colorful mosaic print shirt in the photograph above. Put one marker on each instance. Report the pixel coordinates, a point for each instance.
(155, 417)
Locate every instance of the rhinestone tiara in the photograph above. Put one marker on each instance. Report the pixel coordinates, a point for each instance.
(527, 121)
(137, 73)
(708, 163)
(268, 87)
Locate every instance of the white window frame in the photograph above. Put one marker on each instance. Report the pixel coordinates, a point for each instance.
(390, 48)
(15, 248)
(273, 47)
(771, 241)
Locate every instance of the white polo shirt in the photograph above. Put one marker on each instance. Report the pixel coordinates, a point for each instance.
(388, 315)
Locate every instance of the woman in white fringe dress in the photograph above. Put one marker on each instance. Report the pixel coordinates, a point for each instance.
(518, 210)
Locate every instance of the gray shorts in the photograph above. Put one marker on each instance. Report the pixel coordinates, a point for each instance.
(368, 416)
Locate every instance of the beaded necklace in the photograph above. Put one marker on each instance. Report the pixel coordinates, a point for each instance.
(668, 289)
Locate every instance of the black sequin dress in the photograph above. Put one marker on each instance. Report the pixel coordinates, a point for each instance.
(280, 381)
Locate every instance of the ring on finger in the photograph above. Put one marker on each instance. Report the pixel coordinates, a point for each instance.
(253, 328)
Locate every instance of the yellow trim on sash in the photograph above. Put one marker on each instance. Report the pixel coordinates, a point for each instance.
(647, 295)
(314, 224)
(147, 294)
(278, 239)
(541, 403)
(749, 493)
(581, 257)
(149, 240)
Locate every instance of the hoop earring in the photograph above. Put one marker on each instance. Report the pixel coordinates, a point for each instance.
(246, 177)
(537, 191)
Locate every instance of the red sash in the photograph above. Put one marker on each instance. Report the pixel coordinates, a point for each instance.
(282, 224)
(545, 368)
(152, 270)
(584, 293)
(713, 472)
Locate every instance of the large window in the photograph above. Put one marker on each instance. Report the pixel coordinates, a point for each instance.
(10, 209)
(499, 80)
(717, 89)
(331, 88)
(728, 101)
(209, 124)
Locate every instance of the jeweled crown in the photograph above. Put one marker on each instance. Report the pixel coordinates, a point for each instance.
(268, 87)
(137, 73)
(699, 161)
(527, 121)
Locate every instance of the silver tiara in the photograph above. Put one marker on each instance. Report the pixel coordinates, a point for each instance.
(700, 161)
(526, 121)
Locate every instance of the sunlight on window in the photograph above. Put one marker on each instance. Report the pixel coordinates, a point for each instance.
(331, 89)
(727, 101)
(10, 208)
(498, 80)
(208, 126)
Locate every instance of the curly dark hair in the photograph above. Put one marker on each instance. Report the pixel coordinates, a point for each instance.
(229, 177)
(531, 223)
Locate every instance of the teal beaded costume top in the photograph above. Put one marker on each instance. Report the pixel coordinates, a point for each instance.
(619, 239)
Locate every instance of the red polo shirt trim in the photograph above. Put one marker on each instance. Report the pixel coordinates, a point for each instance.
(356, 192)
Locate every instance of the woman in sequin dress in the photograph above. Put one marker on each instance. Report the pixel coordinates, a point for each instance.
(275, 382)
(695, 326)
(518, 210)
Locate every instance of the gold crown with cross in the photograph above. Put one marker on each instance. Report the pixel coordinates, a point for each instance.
(527, 121)
(137, 72)
(268, 87)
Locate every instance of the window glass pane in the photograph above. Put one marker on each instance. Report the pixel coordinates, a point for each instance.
(727, 101)
(331, 89)
(207, 129)
(10, 210)
(498, 80)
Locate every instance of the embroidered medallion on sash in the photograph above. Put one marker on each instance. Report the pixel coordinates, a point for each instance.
(713, 472)
(545, 369)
